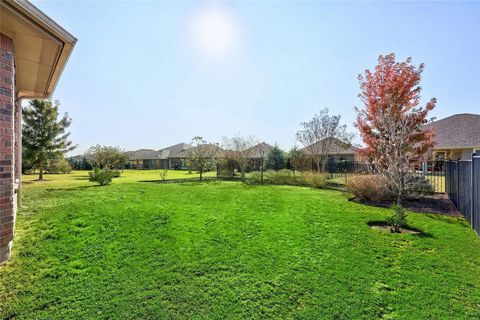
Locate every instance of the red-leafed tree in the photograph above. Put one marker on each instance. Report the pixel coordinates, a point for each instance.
(391, 122)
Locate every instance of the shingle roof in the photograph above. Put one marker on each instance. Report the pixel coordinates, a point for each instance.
(143, 154)
(342, 148)
(165, 153)
(174, 151)
(459, 130)
(256, 154)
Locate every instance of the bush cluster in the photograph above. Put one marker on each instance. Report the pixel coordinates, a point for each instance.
(370, 187)
(102, 177)
(283, 176)
(419, 185)
(315, 179)
(58, 165)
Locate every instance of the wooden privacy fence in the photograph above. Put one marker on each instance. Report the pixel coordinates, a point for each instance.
(463, 188)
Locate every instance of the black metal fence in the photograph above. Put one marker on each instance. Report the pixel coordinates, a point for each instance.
(463, 188)
(432, 171)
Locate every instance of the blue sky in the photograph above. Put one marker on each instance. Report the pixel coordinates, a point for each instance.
(141, 76)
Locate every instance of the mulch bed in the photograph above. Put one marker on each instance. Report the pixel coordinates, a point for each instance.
(438, 203)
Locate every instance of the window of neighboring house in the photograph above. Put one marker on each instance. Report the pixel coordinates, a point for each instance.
(440, 156)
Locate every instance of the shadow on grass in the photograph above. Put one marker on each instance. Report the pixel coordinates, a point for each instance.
(458, 220)
(72, 189)
(383, 226)
(205, 179)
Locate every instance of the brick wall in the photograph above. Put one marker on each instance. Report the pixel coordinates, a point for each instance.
(7, 105)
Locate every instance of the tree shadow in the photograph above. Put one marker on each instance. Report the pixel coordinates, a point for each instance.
(71, 189)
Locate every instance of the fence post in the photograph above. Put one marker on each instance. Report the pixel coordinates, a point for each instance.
(472, 203)
(458, 182)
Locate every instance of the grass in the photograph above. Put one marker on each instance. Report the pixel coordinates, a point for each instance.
(227, 250)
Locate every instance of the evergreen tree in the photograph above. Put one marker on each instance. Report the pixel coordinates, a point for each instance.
(276, 159)
(44, 135)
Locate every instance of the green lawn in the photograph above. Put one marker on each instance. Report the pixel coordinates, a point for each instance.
(226, 250)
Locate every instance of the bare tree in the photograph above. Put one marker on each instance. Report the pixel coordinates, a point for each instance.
(323, 136)
(241, 150)
(163, 174)
(202, 154)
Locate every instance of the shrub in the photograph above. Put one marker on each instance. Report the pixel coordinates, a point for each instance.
(59, 165)
(254, 177)
(315, 179)
(398, 219)
(418, 184)
(102, 177)
(283, 176)
(116, 173)
(163, 174)
(366, 187)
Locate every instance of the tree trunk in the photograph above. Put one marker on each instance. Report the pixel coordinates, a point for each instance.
(40, 175)
(201, 173)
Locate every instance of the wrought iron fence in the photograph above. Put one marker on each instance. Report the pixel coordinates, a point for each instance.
(432, 171)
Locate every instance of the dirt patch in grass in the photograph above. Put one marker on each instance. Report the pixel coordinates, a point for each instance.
(438, 203)
(385, 227)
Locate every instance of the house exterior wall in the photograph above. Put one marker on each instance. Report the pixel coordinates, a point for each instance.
(456, 154)
(8, 178)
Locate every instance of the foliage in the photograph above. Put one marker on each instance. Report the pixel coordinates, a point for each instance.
(240, 149)
(255, 177)
(283, 176)
(416, 184)
(258, 252)
(299, 161)
(391, 123)
(163, 174)
(202, 155)
(59, 165)
(368, 187)
(83, 164)
(323, 136)
(102, 177)
(399, 218)
(275, 159)
(315, 179)
(108, 157)
(116, 173)
(226, 167)
(44, 136)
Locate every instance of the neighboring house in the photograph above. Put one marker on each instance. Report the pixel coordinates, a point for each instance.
(167, 158)
(456, 137)
(144, 159)
(259, 151)
(341, 151)
(33, 52)
(258, 154)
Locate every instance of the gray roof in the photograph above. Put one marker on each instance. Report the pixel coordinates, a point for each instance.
(342, 148)
(165, 153)
(174, 151)
(256, 150)
(457, 131)
(143, 154)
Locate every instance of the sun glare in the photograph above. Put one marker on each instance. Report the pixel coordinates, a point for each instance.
(214, 32)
